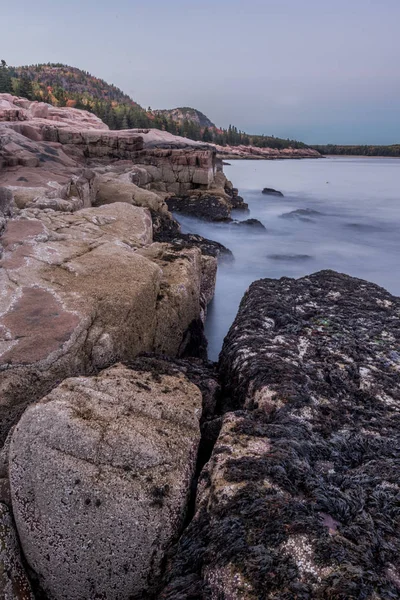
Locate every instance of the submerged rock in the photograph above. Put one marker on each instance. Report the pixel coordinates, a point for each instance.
(100, 474)
(365, 227)
(271, 192)
(300, 497)
(289, 257)
(302, 214)
(253, 223)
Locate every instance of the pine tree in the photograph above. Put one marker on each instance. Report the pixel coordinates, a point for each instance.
(5, 79)
(25, 89)
(207, 137)
(125, 124)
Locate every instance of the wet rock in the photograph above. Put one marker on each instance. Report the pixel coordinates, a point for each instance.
(238, 203)
(14, 584)
(364, 227)
(213, 204)
(300, 497)
(207, 247)
(271, 192)
(100, 475)
(235, 200)
(202, 205)
(290, 257)
(302, 214)
(167, 229)
(253, 223)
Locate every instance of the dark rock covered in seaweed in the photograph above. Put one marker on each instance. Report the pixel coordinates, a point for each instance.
(271, 192)
(207, 247)
(236, 201)
(300, 499)
(207, 206)
(253, 223)
(201, 373)
(212, 204)
(167, 229)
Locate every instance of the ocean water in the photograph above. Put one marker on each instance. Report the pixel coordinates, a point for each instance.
(340, 213)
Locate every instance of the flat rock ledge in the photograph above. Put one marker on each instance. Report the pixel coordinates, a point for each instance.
(100, 473)
(300, 498)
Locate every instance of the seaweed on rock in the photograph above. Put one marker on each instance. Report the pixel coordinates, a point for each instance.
(301, 497)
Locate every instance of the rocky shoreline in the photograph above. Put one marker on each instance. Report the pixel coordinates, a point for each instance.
(131, 467)
(255, 153)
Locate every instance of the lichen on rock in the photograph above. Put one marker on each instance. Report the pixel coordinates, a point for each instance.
(100, 473)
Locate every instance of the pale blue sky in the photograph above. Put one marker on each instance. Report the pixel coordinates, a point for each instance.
(317, 70)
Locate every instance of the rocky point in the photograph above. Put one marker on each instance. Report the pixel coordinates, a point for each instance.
(130, 466)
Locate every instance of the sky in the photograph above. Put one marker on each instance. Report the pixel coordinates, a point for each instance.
(321, 71)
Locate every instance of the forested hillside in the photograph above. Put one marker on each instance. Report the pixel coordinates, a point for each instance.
(392, 150)
(62, 85)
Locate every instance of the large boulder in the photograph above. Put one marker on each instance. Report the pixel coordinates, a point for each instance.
(300, 498)
(100, 474)
(83, 290)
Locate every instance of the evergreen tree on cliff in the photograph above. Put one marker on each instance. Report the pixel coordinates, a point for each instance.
(207, 137)
(25, 89)
(5, 79)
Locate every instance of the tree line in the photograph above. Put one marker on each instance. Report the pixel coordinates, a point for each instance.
(58, 85)
(361, 150)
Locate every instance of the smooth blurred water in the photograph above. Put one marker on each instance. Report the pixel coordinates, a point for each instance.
(354, 227)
